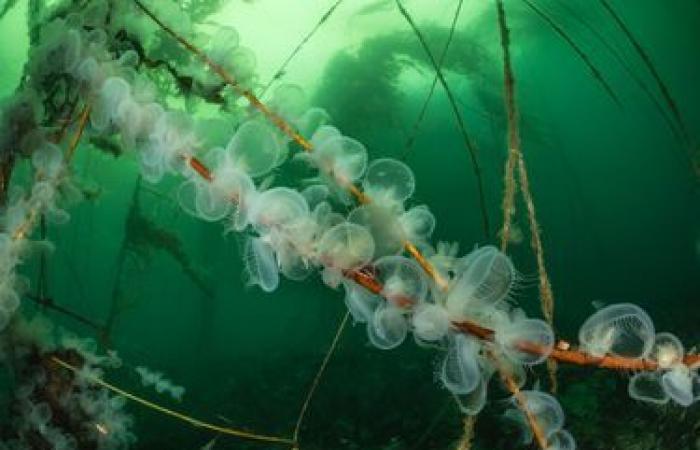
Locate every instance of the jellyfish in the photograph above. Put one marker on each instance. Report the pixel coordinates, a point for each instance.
(460, 372)
(678, 384)
(528, 341)
(261, 265)
(360, 302)
(289, 102)
(342, 247)
(543, 408)
(430, 322)
(277, 208)
(388, 327)
(482, 279)
(622, 329)
(403, 280)
(255, 149)
(389, 182)
(667, 350)
(646, 387)
(561, 440)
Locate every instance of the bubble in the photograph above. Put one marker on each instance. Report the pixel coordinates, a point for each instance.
(621, 329)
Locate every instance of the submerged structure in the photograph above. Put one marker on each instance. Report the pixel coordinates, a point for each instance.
(168, 95)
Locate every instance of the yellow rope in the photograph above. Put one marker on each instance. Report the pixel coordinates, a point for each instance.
(169, 412)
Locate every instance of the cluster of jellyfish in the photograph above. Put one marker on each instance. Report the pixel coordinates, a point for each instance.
(297, 233)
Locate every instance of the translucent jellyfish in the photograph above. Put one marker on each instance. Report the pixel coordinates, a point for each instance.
(222, 43)
(289, 101)
(261, 265)
(667, 350)
(389, 180)
(561, 440)
(341, 158)
(323, 134)
(312, 120)
(388, 327)
(472, 403)
(360, 302)
(114, 90)
(621, 329)
(482, 279)
(646, 387)
(518, 336)
(383, 223)
(345, 246)
(403, 280)
(678, 384)
(315, 194)
(242, 64)
(544, 408)
(255, 148)
(417, 224)
(460, 372)
(430, 322)
(277, 207)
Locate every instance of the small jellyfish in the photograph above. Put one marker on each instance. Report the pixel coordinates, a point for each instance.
(261, 265)
(543, 408)
(667, 350)
(528, 341)
(383, 223)
(338, 157)
(417, 224)
(646, 387)
(561, 440)
(289, 101)
(255, 149)
(403, 280)
(277, 208)
(345, 246)
(482, 279)
(472, 403)
(678, 384)
(388, 327)
(460, 372)
(360, 302)
(389, 181)
(430, 322)
(622, 329)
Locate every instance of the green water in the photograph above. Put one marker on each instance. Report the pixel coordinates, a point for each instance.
(617, 202)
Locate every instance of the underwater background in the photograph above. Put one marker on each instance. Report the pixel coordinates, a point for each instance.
(618, 203)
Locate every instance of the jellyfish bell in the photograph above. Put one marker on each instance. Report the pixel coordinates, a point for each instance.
(528, 341)
(403, 280)
(459, 371)
(276, 208)
(360, 302)
(341, 158)
(646, 387)
(667, 350)
(430, 322)
(255, 149)
(345, 246)
(543, 408)
(289, 101)
(261, 265)
(482, 279)
(621, 329)
(561, 440)
(417, 224)
(678, 384)
(388, 327)
(383, 223)
(389, 181)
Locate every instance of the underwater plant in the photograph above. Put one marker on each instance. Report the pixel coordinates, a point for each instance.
(354, 223)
